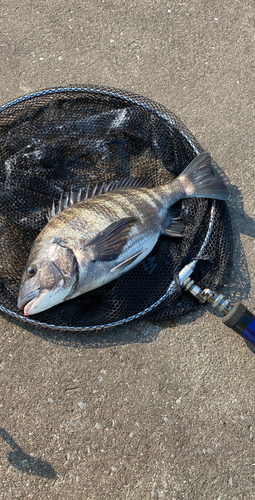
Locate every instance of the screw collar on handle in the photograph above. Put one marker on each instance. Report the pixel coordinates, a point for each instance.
(237, 317)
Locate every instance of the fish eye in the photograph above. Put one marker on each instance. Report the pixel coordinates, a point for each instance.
(31, 271)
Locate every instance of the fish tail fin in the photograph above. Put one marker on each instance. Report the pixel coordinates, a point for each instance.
(199, 182)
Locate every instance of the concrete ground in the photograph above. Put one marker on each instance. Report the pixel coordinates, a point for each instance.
(149, 411)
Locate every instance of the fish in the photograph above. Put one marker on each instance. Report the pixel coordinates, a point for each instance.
(95, 235)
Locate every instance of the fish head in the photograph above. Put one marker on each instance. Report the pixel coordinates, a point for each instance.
(50, 275)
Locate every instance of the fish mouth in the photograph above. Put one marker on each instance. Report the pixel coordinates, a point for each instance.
(27, 301)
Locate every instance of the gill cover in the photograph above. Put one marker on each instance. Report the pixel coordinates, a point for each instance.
(55, 278)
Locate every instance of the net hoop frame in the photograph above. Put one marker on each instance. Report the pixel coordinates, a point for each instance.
(131, 99)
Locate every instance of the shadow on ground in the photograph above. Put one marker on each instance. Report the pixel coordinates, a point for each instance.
(24, 462)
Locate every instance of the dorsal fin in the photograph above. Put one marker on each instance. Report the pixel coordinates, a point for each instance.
(77, 195)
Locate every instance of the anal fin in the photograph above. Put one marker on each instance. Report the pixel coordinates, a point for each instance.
(175, 229)
(174, 226)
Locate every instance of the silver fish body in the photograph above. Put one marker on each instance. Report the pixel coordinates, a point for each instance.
(98, 239)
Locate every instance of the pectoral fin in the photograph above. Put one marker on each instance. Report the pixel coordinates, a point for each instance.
(108, 244)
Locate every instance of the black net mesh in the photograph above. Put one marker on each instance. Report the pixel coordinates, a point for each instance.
(60, 139)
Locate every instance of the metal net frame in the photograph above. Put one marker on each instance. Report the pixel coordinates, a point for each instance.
(63, 138)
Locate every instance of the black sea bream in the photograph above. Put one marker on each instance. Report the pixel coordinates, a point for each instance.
(97, 240)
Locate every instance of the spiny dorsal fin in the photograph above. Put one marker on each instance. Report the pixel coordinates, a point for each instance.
(81, 194)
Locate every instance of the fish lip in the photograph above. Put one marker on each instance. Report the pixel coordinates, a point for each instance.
(27, 300)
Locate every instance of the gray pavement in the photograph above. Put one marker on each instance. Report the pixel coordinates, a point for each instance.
(148, 411)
